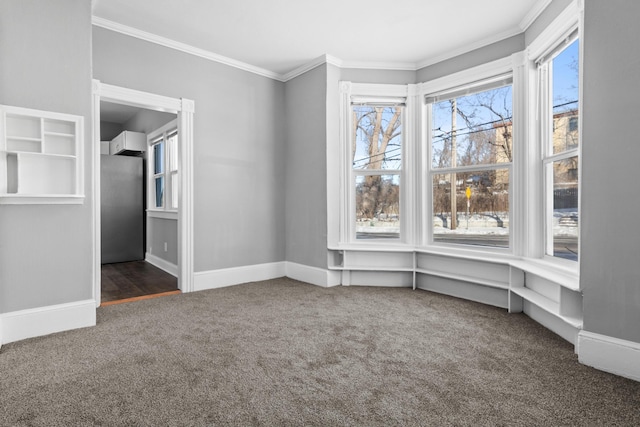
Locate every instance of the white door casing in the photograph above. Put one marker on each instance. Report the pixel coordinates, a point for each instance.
(184, 108)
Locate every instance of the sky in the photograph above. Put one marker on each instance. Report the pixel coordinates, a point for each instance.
(565, 89)
(565, 77)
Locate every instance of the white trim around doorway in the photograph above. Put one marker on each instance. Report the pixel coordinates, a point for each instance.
(184, 108)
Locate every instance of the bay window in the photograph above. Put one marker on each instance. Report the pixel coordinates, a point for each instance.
(484, 160)
(558, 73)
(377, 166)
(471, 146)
(373, 148)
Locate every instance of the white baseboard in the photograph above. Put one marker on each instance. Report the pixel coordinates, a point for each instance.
(162, 264)
(23, 324)
(214, 279)
(551, 322)
(619, 357)
(314, 275)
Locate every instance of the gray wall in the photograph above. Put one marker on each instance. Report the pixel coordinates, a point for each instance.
(546, 17)
(306, 184)
(333, 150)
(358, 75)
(159, 231)
(610, 241)
(45, 250)
(474, 58)
(239, 147)
(109, 130)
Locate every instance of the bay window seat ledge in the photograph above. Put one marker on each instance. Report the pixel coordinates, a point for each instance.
(562, 274)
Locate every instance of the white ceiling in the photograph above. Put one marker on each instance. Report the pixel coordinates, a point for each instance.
(282, 35)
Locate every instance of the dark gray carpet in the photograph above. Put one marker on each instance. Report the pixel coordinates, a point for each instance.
(284, 353)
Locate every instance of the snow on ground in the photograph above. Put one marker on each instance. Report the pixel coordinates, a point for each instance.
(565, 223)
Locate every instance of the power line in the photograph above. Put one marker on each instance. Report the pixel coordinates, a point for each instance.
(442, 138)
(566, 103)
(376, 155)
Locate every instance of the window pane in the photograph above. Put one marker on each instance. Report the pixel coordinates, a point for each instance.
(158, 158)
(565, 209)
(159, 191)
(174, 191)
(473, 130)
(483, 219)
(173, 151)
(565, 99)
(378, 137)
(378, 207)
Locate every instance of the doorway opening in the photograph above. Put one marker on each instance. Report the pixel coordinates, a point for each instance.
(142, 182)
(139, 202)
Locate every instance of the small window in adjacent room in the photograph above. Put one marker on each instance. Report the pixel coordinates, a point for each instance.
(158, 172)
(163, 169)
(172, 156)
(376, 156)
(559, 80)
(471, 156)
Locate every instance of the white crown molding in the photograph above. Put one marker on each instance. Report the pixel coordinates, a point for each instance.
(533, 14)
(332, 60)
(396, 66)
(324, 59)
(468, 48)
(183, 47)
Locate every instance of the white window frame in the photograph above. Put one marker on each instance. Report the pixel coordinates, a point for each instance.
(470, 78)
(170, 168)
(527, 230)
(375, 93)
(541, 51)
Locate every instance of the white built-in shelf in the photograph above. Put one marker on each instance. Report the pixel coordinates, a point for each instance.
(375, 268)
(40, 157)
(463, 278)
(547, 305)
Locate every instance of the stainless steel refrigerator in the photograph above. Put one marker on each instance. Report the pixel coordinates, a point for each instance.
(122, 208)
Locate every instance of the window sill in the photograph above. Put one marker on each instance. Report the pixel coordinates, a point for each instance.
(373, 246)
(152, 213)
(564, 276)
(44, 199)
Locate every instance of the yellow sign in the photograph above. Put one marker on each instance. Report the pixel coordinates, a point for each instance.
(468, 192)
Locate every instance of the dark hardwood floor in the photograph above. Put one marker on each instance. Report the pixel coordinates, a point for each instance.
(134, 279)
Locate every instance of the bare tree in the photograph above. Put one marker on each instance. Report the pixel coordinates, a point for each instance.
(378, 128)
(473, 130)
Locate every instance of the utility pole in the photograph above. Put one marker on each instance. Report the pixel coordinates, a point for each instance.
(454, 161)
